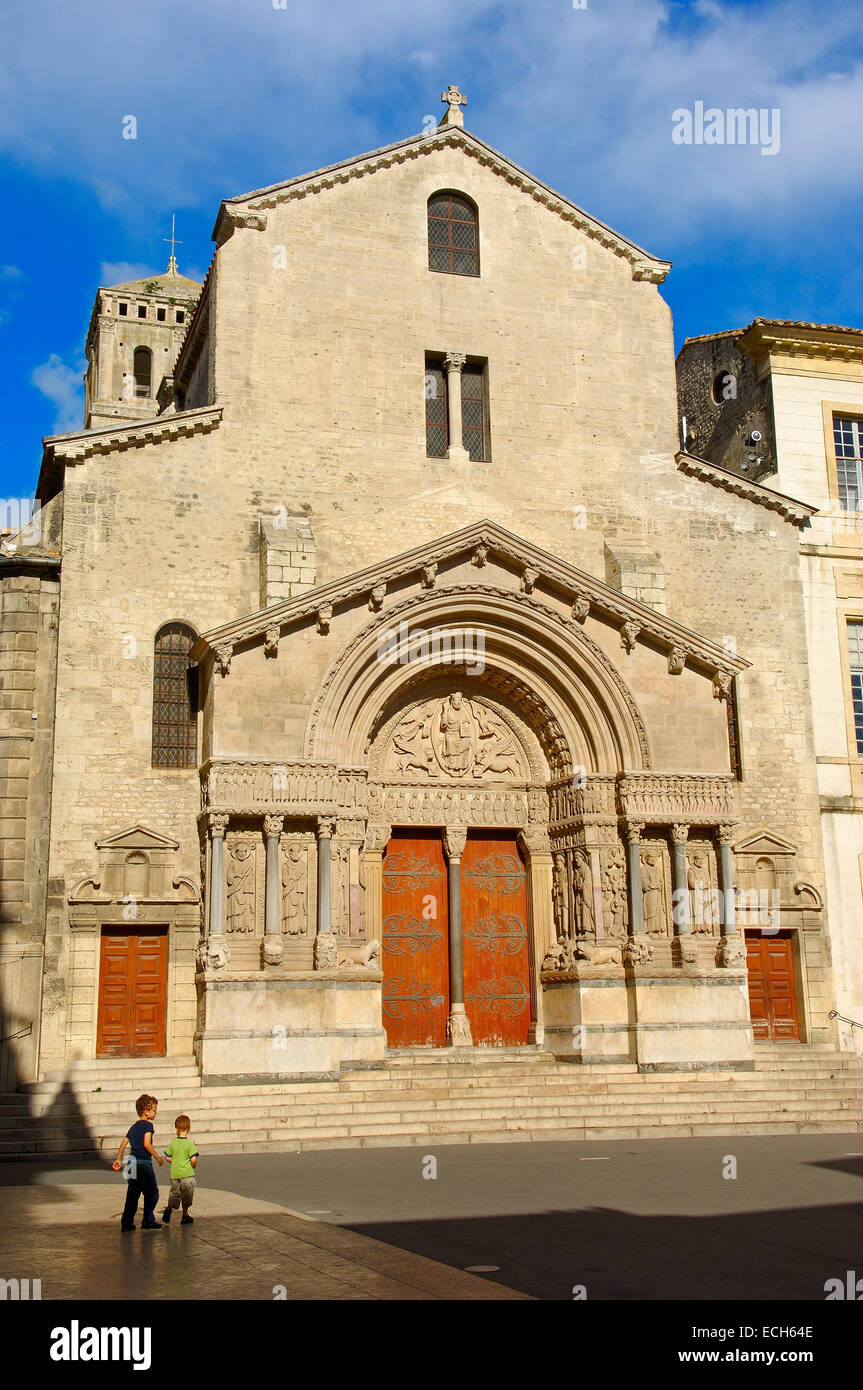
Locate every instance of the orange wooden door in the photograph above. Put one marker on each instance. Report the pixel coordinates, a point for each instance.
(494, 930)
(133, 992)
(415, 944)
(772, 992)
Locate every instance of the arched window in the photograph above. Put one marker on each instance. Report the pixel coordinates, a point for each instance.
(175, 698)
(453, 234)
(143, 369)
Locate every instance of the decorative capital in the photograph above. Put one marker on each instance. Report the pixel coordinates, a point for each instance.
(633, 829)
(429, 572)
(455, 839)
(377, 837)
(725, 834)
(224, 651)
(676, 660)
(679, 834)
(271, 640)
(628, 633)
(454, 361)
(218, 822)
(273, 826)
(376, 597)
(324, 618)
(534, 839)
(581, 607)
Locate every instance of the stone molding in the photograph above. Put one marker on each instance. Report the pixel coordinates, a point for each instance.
(644, 266)
(479, 541)
(787, 507)
(75, 448)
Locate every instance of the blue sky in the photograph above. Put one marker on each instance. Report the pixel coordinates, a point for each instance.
(232, 96)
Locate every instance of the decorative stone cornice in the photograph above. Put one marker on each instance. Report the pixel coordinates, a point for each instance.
(789, 509)
(75, 448)
(644, 266)
(826, 342)
(480, 542)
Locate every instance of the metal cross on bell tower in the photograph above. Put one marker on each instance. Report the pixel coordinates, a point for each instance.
(172, 264)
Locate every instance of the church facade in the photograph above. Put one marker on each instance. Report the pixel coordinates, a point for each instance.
(401, 683)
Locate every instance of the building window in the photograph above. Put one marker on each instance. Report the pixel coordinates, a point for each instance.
(437, 428)
(124, 308)
(474, 409)
(855, 657)
(453, 231)
(181, 317)
(175, 698)
(143, 371)
(142, 311)
(160, 315)
(848, 438)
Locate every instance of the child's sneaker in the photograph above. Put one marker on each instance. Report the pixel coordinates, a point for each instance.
(187, 1219)
(166, 1215)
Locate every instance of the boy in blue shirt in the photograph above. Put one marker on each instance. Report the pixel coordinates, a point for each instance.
(141, 1177)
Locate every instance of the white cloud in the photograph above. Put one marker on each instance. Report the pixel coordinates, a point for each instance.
(11, 272)
(120, 272)
(63, 386)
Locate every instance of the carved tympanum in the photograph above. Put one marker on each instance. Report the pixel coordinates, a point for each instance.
(455, 737)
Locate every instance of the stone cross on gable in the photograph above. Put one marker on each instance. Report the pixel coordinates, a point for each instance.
(454, 99)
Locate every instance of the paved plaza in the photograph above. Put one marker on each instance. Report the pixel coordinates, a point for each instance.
(649, 1220)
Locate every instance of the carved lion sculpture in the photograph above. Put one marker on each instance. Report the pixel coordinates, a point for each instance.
(599, 955)
(366, 959)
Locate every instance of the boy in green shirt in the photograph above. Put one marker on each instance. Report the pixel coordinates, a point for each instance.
(183, 1154)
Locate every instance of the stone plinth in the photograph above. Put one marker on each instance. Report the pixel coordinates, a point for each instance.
(586, 1015)
(308, 1025)
(692, 1021)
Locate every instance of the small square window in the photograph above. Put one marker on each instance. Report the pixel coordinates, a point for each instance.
(124, 308)
(181, 317)
(160, 315)
(142, 311)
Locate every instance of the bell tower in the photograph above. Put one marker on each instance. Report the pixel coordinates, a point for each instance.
(135, 333)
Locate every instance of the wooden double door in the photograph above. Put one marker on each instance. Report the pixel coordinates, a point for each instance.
(133, 992)
(772, 987)
(417, 989)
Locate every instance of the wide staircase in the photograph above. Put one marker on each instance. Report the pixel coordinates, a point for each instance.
(489, 1096)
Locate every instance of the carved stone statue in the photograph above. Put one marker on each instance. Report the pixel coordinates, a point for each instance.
(652, 882)
(459, 737)
(582, 878)
(638, 949)
(558, 896)
(366, 959)
(598, 955)
(615, 898)
(213, 954)
(295, 877)
(340, 869)
(241, 889)
(701, 897)
(731, 953)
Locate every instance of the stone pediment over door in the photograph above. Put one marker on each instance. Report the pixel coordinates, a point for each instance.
(496, 561)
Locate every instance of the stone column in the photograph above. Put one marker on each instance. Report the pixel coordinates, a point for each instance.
(272, 949)
(732, 948)
(638, 946)
(454, 362)
(458, 1026)
(377, 838)
(326, 946)
(216, 955)
(540, 915)
(683, 949)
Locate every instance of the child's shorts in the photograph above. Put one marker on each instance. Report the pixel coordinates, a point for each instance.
(182, 1190)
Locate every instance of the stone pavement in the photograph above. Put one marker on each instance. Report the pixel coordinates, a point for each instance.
(239, 1248)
